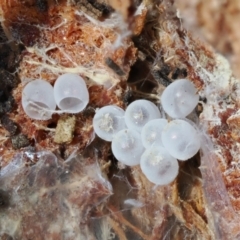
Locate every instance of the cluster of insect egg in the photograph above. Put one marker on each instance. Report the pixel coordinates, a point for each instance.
(39, 97)
(140, 136)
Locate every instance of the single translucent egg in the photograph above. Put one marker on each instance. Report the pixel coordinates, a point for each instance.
(179, 98)
(151, 133)
(159, 166)
(108, 121)
(71, 93)
(180, 139)
(127, 147)
(38, 100)
(139, 112)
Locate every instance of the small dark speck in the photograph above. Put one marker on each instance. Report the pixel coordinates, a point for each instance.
(6, 105)
(203, 99)
(20, 141)
(9, 81)
(111, 64)
(4, 199)
(42, 5)
(127, 97)
(9, 125)
(64, 176)
(179, 73)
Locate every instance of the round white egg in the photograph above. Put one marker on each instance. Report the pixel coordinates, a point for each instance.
(159, 166)
(179, 98)
(181, 139)
(139, 112)
(127, 147)
(108, 121)
(151, 133)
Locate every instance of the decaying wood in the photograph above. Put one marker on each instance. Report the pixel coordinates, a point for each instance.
(124, 50)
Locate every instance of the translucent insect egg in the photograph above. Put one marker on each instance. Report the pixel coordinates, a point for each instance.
(127, 147)
(108, 121)
(151, 133)
(179, 98)
(159, 166)
(71, 93)
(37, 100)
(181, 139)
(139, 112)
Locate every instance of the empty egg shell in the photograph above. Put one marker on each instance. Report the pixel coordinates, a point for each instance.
(38, 100)
(71, 93)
